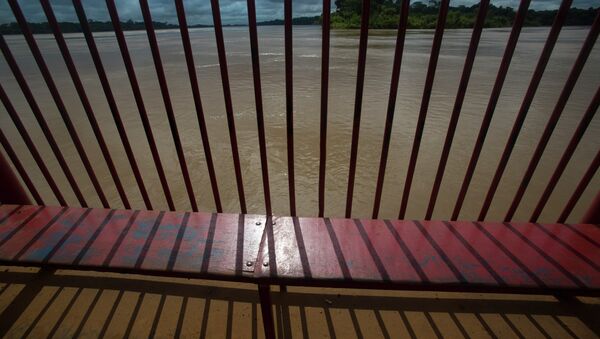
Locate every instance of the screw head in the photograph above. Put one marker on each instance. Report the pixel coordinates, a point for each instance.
(249, 263)
(266, 263)
(258, 223)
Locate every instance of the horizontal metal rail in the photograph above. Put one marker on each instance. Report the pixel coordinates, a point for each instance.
(14, 154)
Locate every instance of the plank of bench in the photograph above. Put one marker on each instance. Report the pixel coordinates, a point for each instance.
(423, 255)
(432, 255)
(149, 242)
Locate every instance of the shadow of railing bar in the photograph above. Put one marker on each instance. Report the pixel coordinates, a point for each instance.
(409, 303)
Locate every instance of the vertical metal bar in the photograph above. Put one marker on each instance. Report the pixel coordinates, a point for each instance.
(583, 183)
(32, 149)
(164, 90)
(266, 308)
(259, 105)
(37, 54)
(360, 81)
(520, 118)
(12, 63)
(567, 154)
(228, 105)
(189, 58)
(556, 113)
(435, 52)
(592, 216)
(11, 191)
(289, 101)
(57, 99)
(87, 33)
(60, 40)
(460, 97)
(402, 24)
(325, 25)
(139, 101)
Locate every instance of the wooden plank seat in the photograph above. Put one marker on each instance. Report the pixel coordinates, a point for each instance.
(418, 255)
(433, 255)
(200, 245)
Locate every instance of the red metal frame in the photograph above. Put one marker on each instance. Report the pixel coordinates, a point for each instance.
(584, 53)
(32, 149)
(289, 101)
(360, 83)
(41, 63)
(519, 20)
(460, 97)
(11, 191)
(139, 101)
(325, 26)
(583, 183)
(262, 142)
(12, 63)
(370, 253)
(266, 308)
(433, 59)
(87, 107)
(87, 33)
(189, 58)
(487, 117)
(164, 90)
(592, 216)
(216, 13)
(387, 134)
(567, 154)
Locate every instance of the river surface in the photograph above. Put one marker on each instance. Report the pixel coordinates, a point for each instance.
(307, 61)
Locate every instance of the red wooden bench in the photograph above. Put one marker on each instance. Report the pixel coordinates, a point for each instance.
(382, 254)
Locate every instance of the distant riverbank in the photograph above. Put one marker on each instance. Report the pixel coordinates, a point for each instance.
(347, 16)
(384, 14)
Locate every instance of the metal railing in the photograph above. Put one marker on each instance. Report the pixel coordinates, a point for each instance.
(12, 191)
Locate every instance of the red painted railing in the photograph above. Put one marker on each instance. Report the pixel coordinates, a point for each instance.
(12, 192)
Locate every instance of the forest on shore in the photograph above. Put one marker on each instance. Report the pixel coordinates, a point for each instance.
(384, 14)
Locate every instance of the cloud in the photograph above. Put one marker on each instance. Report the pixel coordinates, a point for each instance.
(199, 11)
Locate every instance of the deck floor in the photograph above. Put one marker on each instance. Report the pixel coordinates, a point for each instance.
(67, 303)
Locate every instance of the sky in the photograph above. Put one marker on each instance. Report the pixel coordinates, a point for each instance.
(232, 11)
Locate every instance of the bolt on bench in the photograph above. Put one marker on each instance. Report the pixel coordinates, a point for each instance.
(381, 254)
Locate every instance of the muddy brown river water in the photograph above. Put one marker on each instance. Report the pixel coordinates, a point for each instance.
(307, 53)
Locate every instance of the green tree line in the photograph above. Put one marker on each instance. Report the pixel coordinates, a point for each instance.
(384, 14)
